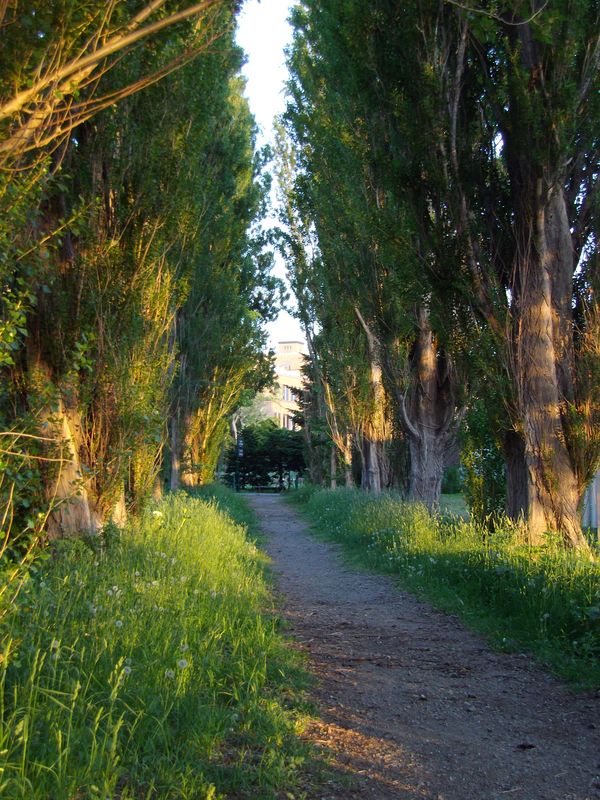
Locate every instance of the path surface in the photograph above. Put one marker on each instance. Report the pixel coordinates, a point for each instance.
(411, 704)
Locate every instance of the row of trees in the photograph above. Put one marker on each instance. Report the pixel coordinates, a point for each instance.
(134, 278)
(438, 166)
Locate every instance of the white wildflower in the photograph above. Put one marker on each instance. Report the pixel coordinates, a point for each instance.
(126, 670)
(169, 673)
(137, 573)
(157, 514)
(54, 644)
(184, 647)
(119, 623)
(182, 663)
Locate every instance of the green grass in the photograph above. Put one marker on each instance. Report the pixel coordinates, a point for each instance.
(454, 505)
(544, 600)
(151, 668)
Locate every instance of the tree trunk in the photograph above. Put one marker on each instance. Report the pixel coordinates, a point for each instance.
(517, 476)
(66, 489)
(542, 328)
(372, 481)
(376, 428)
(175, 480)
(348, 477)
(431, 416)
(332, 467)
(427, 467)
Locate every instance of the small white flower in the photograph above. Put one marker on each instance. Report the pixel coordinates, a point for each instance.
(115, 589)
(154, 583)
(126, 670)
(137, 573)
(109, 592)
(163, 555)
(173, 560)
(119, 623)
(183, 578)
(54, 644)
(196, 591)
(184, 647)
(182, 663)
(213, 594)
(169, 673)
(157, 513)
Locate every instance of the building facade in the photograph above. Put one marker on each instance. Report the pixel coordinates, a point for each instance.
(281, 403)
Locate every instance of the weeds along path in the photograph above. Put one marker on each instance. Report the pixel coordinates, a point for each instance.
(412, 705)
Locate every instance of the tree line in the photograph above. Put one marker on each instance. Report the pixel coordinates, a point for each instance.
(438, 169)
(135, 278)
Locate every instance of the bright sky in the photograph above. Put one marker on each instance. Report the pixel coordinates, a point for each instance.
(263, 32)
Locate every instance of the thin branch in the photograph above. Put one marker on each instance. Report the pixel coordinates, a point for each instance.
(497, 17)
(77, 69)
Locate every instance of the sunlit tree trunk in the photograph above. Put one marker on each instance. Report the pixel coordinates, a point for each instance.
(542, 358)
(66, 488)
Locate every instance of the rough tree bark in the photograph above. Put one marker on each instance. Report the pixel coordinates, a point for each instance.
(376, 466)
(517, 478)
(430, 413)
(542, 357)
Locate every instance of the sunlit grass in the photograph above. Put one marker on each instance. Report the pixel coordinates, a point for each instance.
(150, 668)
(545, 599)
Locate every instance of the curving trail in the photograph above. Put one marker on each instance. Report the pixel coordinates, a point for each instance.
(411, 704)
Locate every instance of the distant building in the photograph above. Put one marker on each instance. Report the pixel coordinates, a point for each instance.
(281, 402)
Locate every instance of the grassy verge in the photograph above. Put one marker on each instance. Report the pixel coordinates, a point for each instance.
(544, 600)
(149, 668)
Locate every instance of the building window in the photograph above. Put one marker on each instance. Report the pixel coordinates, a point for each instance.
(287, 393)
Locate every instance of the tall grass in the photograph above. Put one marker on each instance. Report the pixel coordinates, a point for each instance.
(545, 599)
(148, 668)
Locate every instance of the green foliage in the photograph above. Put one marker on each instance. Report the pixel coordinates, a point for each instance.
(482, 459)
(452, 482)
(134, 282)
(545, 599)
(149, 668)
(270, 455)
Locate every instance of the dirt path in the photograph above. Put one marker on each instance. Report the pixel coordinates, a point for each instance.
(414, 706)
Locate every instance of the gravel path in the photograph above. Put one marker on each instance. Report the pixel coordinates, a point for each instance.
(411, 704)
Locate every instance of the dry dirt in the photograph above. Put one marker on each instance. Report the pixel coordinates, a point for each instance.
(411, 704)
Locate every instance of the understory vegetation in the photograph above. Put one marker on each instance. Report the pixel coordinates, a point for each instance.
(542, 599)
(143, 664)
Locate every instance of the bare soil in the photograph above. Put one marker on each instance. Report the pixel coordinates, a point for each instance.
(411, 704)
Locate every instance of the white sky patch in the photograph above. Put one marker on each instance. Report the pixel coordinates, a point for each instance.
(263, 33)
